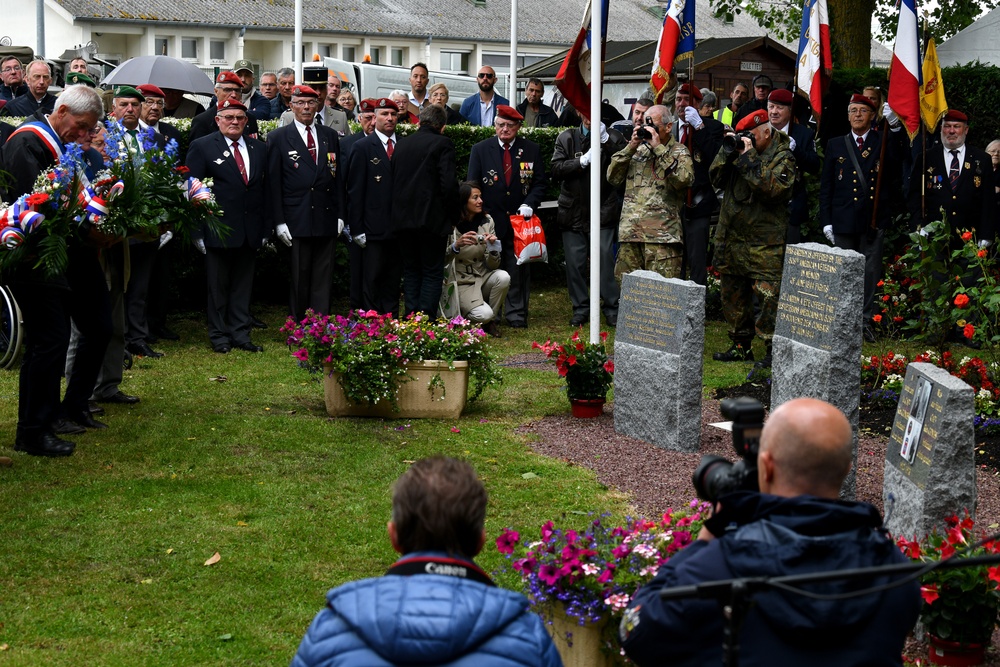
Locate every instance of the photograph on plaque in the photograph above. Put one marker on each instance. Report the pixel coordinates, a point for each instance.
(915, 423)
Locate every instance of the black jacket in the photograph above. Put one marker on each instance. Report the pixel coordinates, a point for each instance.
(424, 183)
(26, 105)
(303, 194)
(527, 184)
(574, 191)
(204, 124)
(970, 205)
(369, 189)
(844, 203)
(546, 117)
(705, 144)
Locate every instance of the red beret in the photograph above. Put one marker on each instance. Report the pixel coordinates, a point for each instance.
(781, 96)
(149, 90)
(386, 103)
(230, 104)
(302, 90)
(229, 77)
(368, 105)
(857, 98)
(954, 115)
(509, 113)
(692, 90)
(756, 119)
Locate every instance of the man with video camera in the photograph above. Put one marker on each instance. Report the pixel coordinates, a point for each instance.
(795, 524)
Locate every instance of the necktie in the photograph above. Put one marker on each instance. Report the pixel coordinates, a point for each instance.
(684, 135)
(507, 167)
(861, 143)
(133, 134)
(310, 144)
(953, 171)
(239, 162)
(388, 148)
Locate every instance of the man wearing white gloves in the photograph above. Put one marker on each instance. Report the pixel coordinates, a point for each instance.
(847, 207)
(237, 166)
(511, 172)
(304, 194)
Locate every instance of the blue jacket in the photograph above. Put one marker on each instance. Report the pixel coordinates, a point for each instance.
(770, 536)
(425, 619)
(470, 107)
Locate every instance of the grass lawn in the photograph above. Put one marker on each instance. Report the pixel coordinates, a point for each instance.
(102, 555)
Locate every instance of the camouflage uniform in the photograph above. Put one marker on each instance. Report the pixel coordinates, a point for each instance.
(656, 180)
(750, 236)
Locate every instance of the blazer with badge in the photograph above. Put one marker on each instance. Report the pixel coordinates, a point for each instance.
(845, 203)
(969, 205)
(303, 194)
(244, 205)
(527, 182)
(705, 144)
(369, 189)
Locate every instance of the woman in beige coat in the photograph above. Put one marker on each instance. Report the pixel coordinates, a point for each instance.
(473, 260)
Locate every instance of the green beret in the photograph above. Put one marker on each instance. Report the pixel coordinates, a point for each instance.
(77, 78)
(129, 91)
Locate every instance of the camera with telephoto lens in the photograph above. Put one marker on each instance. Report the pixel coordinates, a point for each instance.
(733, 143)
(715, 476)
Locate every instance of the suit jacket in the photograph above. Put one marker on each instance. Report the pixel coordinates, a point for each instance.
(574, 192)
(304, 195)
(843, 202)
(807, 161)
(971, 204)
(470, 107)
(705, 144)
(369, 189)
(335, 118)
(425, 187)
(25, 105)
(5, 130)
(527, 183)
(168, 131)
(259, 106)
(244, 206)
(204, 124)
(278, 107)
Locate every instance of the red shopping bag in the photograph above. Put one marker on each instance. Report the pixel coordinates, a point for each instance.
(529, 239)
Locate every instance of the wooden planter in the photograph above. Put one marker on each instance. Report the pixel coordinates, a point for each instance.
(580, 645)
(422, 397)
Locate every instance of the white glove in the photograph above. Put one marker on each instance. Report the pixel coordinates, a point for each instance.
(525, 210)
(791, 144)
(985, 243)
(165, 239)
(585, 159)
(200, 245)
(361, 240)
(340, 226)
(828, 233)
(283, 234)
(493, 247)
(604, 133)
(922, 231)
(693, 118)
(890, 115)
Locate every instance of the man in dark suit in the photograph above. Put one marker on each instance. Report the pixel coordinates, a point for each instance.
(228, 86)
(257, 105)
(237, 166)
(38, 76)
(366, 117)
(703, 137)
(152, 112)
(423, 175)
(306, 202)
(779, 112)
(847, 196)
(370, 193)
(513, 185)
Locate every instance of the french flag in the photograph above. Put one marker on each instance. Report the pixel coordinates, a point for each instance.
(573, 79)
(815, 63)
(676, 43)
(904, 74)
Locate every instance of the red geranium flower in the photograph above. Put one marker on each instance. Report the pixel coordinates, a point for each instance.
(962, 300)
(966, 236)
(969, 331)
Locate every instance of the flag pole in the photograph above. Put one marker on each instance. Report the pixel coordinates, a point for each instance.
(596, 75)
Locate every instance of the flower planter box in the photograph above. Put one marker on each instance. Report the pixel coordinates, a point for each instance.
(422, 397)
(579, 645)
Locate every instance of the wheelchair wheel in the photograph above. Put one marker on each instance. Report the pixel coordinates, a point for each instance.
(11, 330)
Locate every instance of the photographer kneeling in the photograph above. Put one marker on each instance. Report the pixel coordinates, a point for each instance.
(795, 525)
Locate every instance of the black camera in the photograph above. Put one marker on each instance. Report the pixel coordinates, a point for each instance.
(733, 143)
(715, 476)
(645, 134)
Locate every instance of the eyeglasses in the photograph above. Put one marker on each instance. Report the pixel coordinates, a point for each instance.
(505, 126)
(485, 75)
(8, 70)
(232, 118)
(230, 90)
(154, 103)
(304, 103)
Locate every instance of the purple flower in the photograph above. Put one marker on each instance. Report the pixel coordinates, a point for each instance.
(549, 574)
(507, 541)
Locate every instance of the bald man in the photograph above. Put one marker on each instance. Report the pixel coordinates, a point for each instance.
(796, 525)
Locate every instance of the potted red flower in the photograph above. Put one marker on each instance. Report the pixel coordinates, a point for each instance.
(587, 369)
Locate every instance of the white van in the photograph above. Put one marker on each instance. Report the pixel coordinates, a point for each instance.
(369, 80)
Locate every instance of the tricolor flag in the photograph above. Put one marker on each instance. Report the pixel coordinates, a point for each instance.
(815, 64)
(933, 105)
(904, 75)
(573, 79)
(676, 43)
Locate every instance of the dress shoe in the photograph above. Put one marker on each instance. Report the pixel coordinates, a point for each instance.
(578, 321)
(88, 421)
(119, 397)
(738, 352)
(221, 348)
(94, 408)
(166, 334)
(44, 444)
(517, 325)
(257, 324)
(143, 350)
(612, 320)
(492, 329)
(249, 347)
(64, 426)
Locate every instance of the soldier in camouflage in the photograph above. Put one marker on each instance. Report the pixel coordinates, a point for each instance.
(657, 172)
(758, 176)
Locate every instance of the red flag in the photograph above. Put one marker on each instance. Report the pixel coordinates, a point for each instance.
(573, 79)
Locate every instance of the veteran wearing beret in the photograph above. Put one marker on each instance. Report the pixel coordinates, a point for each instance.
(228, 86)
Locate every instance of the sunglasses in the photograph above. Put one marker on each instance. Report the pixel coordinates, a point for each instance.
(484, 75)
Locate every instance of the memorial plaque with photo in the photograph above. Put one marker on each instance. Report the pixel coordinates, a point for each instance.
(649, 312)
(809, 296)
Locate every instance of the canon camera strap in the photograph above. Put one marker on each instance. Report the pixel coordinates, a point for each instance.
(449, 567)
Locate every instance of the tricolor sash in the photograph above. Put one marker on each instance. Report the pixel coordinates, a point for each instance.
(44, 132)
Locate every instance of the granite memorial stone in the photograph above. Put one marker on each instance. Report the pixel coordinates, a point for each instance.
(658, 360)
(930, 468)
